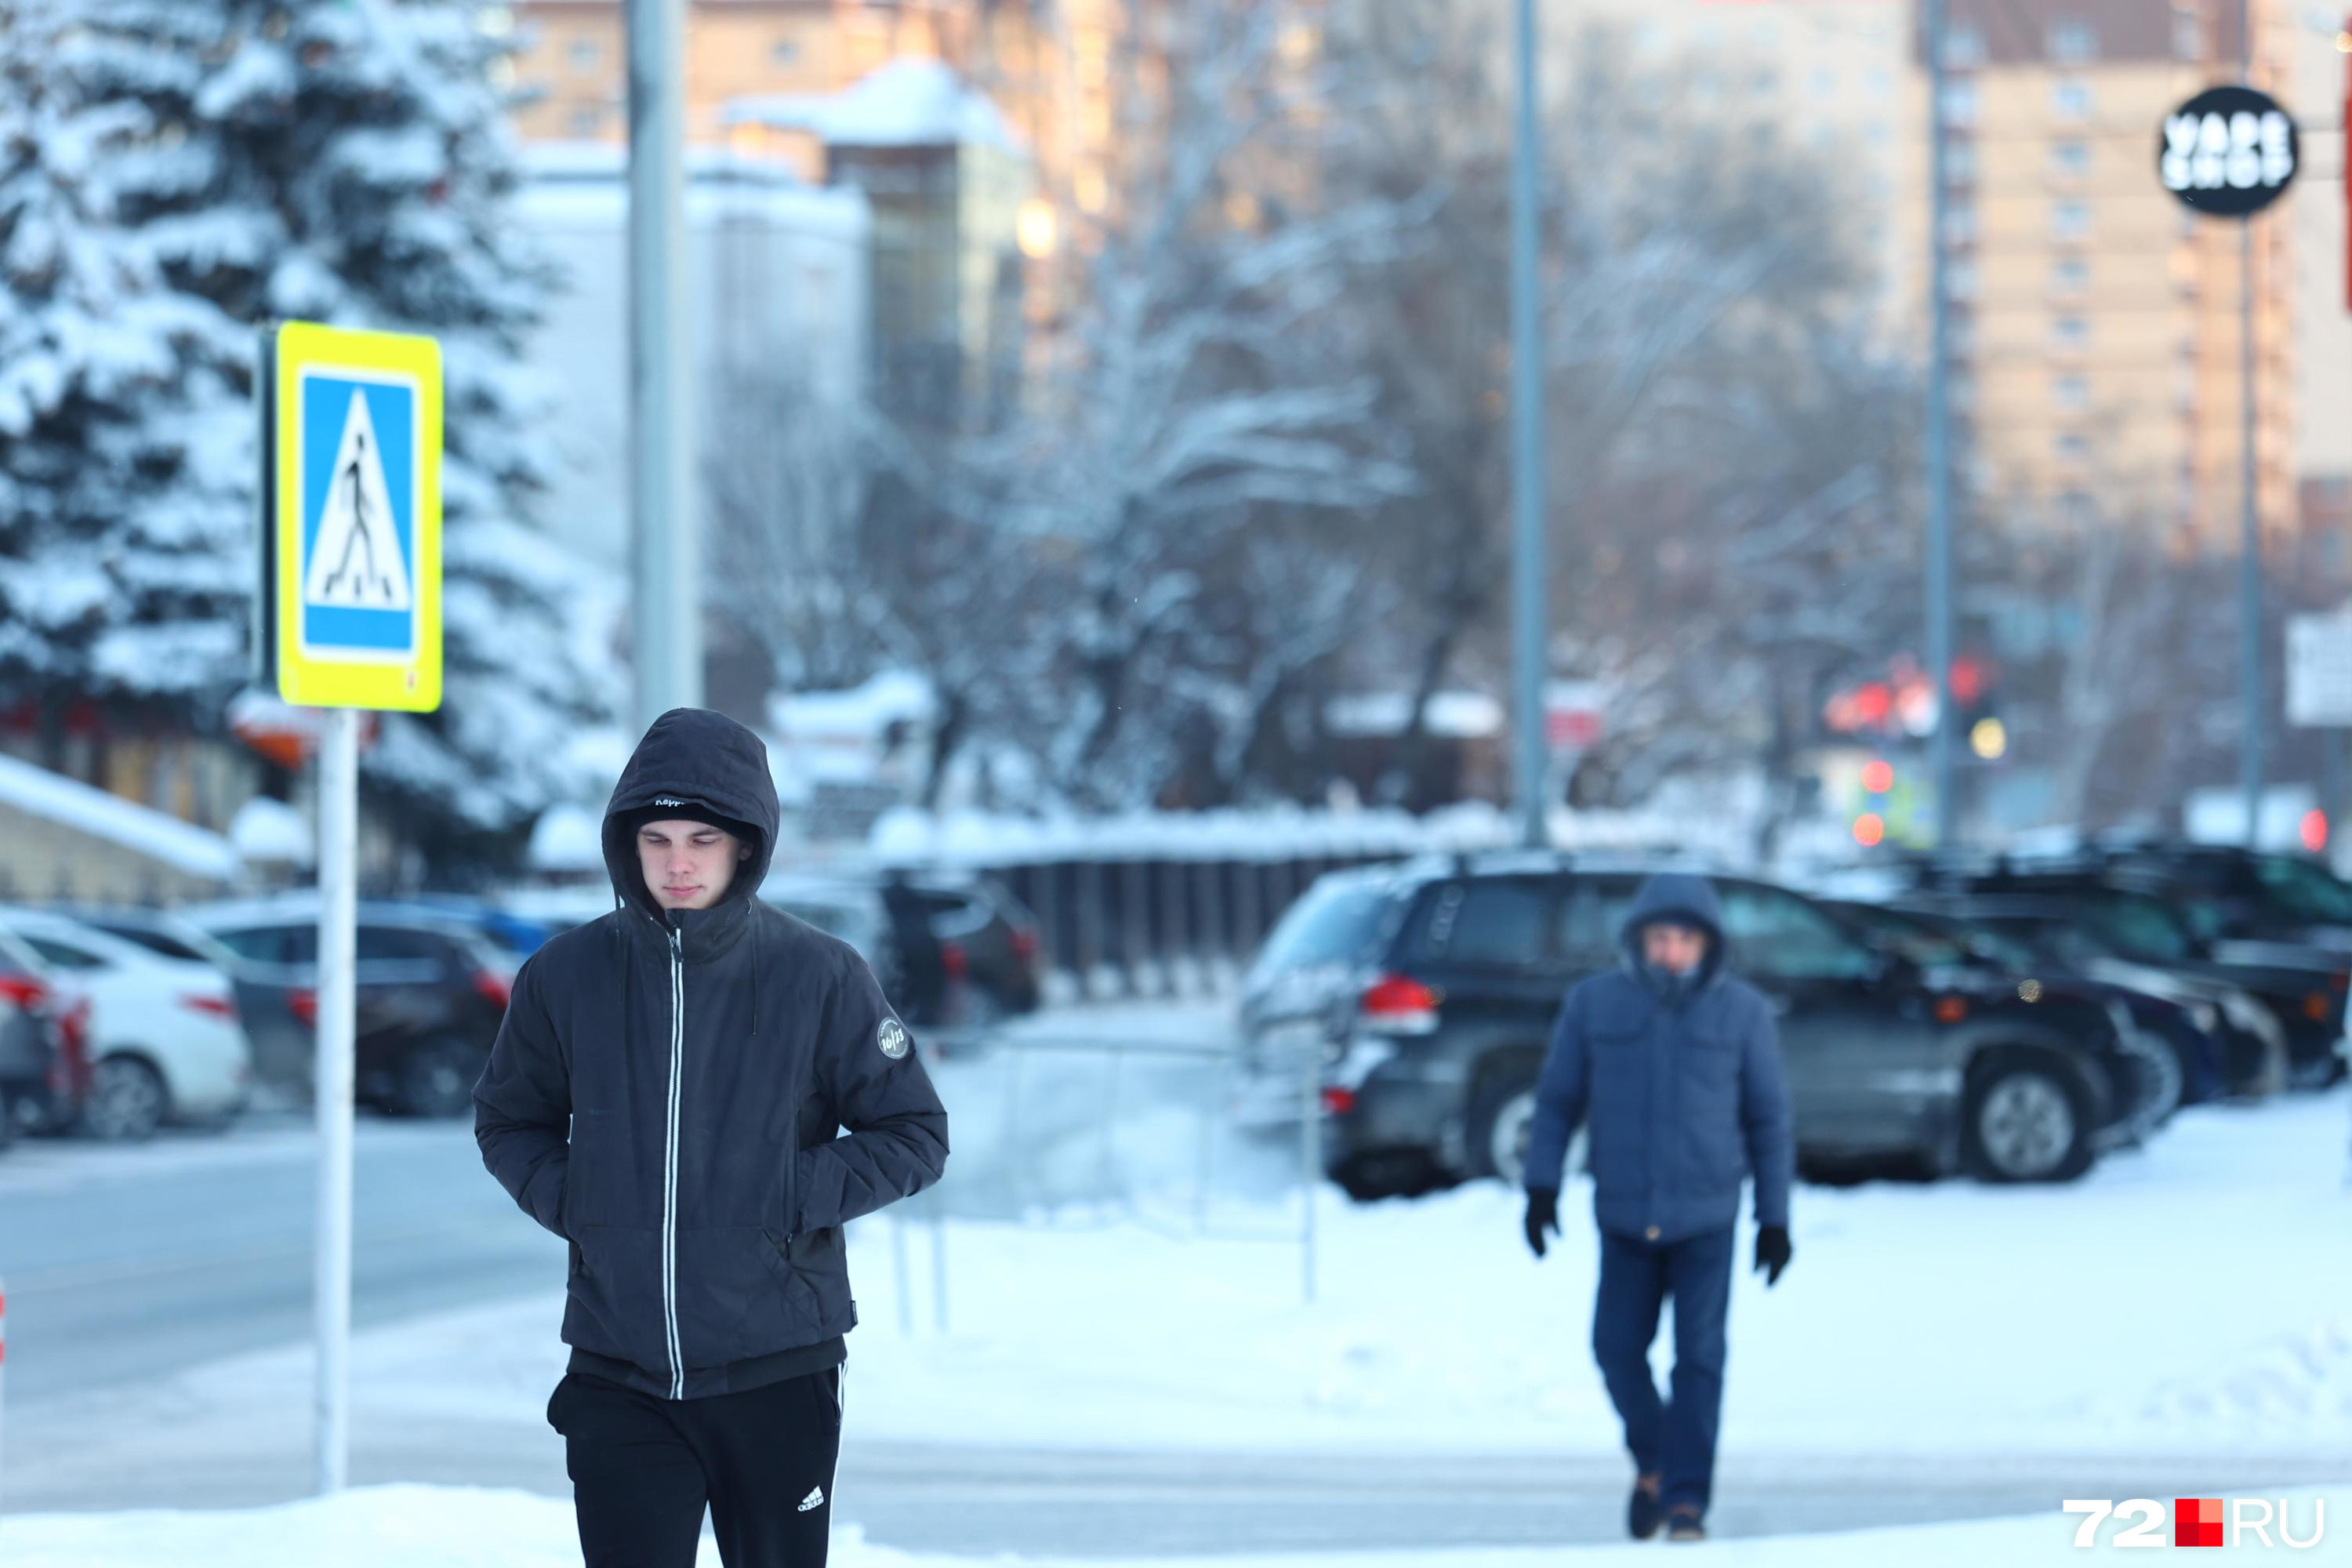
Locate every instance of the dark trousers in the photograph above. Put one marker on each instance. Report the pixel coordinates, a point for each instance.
(643, 1469)
(1674, 1439)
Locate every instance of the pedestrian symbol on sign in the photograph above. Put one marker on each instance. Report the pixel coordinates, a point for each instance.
(356, 562)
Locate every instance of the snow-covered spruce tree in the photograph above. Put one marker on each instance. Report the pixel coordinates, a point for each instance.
(349, 161)
(122, 523)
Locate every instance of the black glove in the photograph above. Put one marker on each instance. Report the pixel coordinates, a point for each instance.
(1773, 1252)
(1543, 1214)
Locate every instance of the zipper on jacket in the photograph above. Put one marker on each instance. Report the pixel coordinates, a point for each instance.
(670, 1161)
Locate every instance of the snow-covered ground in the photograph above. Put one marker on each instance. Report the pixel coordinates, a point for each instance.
(2192, 1299)
(440, 1527)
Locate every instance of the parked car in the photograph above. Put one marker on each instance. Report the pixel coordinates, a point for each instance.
(164, 1041)
(45, 1077)
(2228, 893)
(430, 998)
(969, 952)
(2179, 1060)
(1428, 989)
(2304, 988)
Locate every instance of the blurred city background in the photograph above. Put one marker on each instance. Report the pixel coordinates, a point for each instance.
(1099, 492)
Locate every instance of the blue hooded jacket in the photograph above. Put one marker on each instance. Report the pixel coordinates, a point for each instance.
(1684, 1093)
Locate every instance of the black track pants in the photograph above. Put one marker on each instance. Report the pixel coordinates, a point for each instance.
(643, 1469)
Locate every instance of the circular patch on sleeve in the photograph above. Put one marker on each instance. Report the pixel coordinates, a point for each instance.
(893, 1038)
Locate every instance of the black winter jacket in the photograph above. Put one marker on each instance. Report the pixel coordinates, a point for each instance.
(667, 1094)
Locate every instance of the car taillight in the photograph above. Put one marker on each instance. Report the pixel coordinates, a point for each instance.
(954, 960)
(1024, 945)
(74, 1027)
(25, 991)
(1338, 1101)
(493, 987)
(304, 1005)
(210, 1006)
(2317, 1005)
(1398, 1004)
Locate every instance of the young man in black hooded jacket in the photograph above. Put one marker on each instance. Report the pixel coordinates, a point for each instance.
(669, 1094)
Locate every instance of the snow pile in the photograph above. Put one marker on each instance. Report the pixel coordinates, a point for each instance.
(69, 803)
(909, 102)
(270, 830)
(568, 838)
(449, 1527)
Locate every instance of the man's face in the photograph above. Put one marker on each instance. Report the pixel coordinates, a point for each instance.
(1672, 947)
(688, 865)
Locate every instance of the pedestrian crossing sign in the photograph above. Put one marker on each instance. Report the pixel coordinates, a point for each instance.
(350, 601)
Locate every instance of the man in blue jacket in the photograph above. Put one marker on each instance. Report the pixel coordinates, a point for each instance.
(1676, 1067)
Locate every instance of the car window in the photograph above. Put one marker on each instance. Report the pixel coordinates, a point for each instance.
(1780, 935)
(1591, 916)
(2305, 890)
(379, 943)
(1332, 922)
(274, 945)
(155, 942)
(64, 954)
(1496, 920)
(2136, 926)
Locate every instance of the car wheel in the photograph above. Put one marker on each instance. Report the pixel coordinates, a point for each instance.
(436, 1079)
(1502, 1113)
(126, 1100)
(2027, 1121)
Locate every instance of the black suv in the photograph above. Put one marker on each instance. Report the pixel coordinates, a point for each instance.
(431, 995)
(1428, 989)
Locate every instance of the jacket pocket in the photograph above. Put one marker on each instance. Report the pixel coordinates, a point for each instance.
(615, 1296)
(1714, 1146)
(731, 1305)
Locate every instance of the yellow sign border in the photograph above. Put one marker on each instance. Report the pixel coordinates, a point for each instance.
(407, 685)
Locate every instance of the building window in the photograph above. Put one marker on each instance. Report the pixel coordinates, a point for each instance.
(1960, 280)
(1960, 102)
(2078, 507)
(2074, 448)
(2070, 222)
(785, 52)
(2071, 275)
(1960, 389)
(1963, 47)
(2071, 102)
(1880, 82)
(1961, 335)
(587, 121)
(2074, 42)
(1959, 225)
(1765, 81)
(2187, 36)
(2072, 392)
(2071, 333)
(586, 54)
(1824, 83)
(1959, 162)
(2071, 160)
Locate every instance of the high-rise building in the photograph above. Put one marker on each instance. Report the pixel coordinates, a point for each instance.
(2096, 368)
(2097, 322)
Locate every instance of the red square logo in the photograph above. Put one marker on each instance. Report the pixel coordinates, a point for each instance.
(2197, 1521)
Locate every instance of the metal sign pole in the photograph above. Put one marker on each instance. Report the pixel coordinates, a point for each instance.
(1528, 643)
(2250, 567)
(338, 768)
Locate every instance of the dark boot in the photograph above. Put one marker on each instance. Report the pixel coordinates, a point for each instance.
(1684, 1523)
(1641, 1510)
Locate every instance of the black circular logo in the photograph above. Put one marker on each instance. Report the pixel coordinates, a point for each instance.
(2228, 152)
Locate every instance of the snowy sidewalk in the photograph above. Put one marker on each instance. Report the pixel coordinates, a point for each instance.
(429, 1527)
(2191, 1299)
